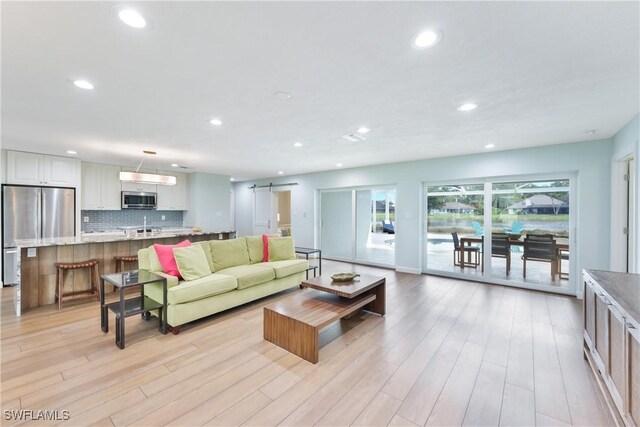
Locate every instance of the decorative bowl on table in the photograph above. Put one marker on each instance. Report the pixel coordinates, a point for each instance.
(196, 229)
(344, 277)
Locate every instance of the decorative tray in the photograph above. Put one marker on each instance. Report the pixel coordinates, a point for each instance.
(344, 277)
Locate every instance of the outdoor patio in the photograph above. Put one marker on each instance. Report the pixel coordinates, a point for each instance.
(440, 257)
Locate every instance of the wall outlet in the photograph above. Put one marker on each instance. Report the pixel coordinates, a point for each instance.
(85, 219)
(31, 252)
(163, 218)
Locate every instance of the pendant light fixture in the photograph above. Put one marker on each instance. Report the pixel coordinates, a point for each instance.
(147, 178)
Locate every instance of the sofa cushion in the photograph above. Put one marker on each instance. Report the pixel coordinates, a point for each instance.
(256, 251)
(281, 249)
(204, 287)
(250, 275)
(288, 267)
(229, 253)
(154, 262)
(166, 258)
(143, 259)
(192, 262)
(206, 248)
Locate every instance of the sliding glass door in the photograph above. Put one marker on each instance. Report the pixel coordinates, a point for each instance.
(525, 211)
(358, 225)
(455, 226)
(508, 231)
(336, 224)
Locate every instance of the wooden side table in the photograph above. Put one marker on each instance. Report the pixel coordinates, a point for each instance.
(137, 305)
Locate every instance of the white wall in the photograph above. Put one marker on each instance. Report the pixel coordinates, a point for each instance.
(590, 160)
(626, 144)
(209, 202)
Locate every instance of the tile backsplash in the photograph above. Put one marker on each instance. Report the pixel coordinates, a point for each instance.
(111, 220)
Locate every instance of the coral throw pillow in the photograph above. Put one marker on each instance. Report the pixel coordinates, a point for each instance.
(265, 248)
(167, 259)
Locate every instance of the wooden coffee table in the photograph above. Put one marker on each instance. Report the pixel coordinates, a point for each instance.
(361, 285)
(294, 323)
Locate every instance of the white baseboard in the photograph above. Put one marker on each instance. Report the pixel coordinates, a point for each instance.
(410, 270)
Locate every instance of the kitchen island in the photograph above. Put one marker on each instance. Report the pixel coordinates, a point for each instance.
(36, 282)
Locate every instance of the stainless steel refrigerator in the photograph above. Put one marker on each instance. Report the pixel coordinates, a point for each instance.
(33, 213)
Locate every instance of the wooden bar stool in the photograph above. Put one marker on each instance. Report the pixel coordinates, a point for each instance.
(122, 259)
(91, 264)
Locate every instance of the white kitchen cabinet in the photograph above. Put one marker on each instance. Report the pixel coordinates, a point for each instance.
(173, 197)
(39, 169)
(100, 187)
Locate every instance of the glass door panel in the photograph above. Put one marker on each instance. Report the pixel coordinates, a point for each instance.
(336, 224)
(375, 226)
(521, 212)
(455, 210)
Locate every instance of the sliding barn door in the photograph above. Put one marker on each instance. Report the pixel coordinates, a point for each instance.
(264, 208)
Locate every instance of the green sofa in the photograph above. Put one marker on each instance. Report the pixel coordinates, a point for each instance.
(239, 276)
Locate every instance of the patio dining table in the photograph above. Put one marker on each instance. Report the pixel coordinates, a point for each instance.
(467, 241)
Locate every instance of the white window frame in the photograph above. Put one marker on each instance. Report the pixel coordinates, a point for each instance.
(574, 256)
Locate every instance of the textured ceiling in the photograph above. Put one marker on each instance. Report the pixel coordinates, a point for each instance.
(541, 72)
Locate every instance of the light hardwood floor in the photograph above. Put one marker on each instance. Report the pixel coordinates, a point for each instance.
(448, 352)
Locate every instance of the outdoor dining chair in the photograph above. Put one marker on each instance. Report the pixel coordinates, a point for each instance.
(468, 249)
(501, 248)
(541, 248)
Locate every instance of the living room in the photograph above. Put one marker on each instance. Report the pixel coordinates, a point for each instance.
(293, 145)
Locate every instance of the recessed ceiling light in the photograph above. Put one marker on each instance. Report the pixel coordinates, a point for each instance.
(297, 144)
(174, 165)
(283, 95)
(363, 129)
(83, 84)
(590, 131)
(280, 173)
(71, 152)
(467, 107)
(339, 165)
(232, 179)
(490, 146)
(216, 122)
(132, 18)
(426, 39)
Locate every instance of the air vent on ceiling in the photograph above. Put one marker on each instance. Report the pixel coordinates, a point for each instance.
(352, 137)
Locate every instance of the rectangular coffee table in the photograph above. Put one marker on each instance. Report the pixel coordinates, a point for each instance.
(294, 323)
(361, 285)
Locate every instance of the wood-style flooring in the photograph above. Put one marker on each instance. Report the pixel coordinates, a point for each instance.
(448, 352)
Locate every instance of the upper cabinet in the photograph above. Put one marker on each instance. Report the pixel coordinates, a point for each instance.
(100, 187)
(173, 197)
(39, 169)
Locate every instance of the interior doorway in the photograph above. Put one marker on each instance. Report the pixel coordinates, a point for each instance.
(283, 212)
(631, 217)
(272, 212)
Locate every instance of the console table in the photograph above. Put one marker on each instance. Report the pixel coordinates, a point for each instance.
(612, 339)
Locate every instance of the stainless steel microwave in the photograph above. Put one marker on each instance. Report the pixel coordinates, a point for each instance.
(139, 200)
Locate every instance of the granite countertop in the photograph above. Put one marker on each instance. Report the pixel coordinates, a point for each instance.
(623, 288)
(108, 237)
